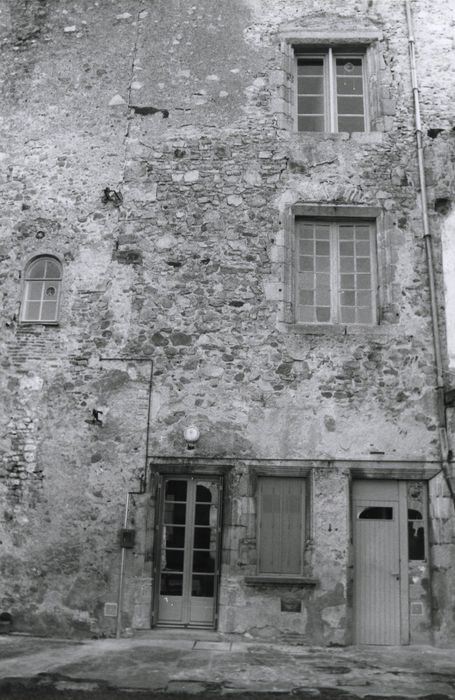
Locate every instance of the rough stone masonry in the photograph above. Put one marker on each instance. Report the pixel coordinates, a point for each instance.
(150, 147)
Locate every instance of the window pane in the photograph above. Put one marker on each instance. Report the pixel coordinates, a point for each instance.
(322, 297)
(363, 299)
(174, 560)
(349, 86)
(34, 290)
(414, 514)
(204, 561)
(310, 104)
(202, 537)
(323, 280)
(363, 281)
(310, 86)
(363, 265)
(347, 314)
(364, 316)
(350, 105)
(322, 263)
(306, 247)
(306, 314)
(322, 314)
(310, 123)
(306, 298)
(416, 540)
(171, 584)
(310, 66)
(306, 280)
(307, 264)
(322, 232)
(174, 513)
(203, 494)
(349, 66)
(347, 264)
(346, 233)
(376, 513)
(52, 270)
(37, 269)
(202, 586)
(306, 231)
(176, 490)
(350, 124)
(362, 247)
(49, 311)
(347, 248)
(32, 311)
(348, 298)
(202, 516)
(322, 247)
(174, 536)
(416, 535)
(347, 281)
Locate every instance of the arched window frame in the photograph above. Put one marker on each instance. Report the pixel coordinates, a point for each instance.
(35, 307)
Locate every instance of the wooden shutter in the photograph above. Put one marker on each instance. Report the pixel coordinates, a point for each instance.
(281, 515)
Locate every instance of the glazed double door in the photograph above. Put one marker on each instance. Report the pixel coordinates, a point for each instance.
(188, 561)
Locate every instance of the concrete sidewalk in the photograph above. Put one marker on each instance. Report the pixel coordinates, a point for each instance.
(176, 661)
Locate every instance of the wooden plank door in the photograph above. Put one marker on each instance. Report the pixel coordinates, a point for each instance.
(187, 569)
(377, 563)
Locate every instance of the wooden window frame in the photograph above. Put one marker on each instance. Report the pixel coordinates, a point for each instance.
(56, 282)
(335, 271)
(329, 55)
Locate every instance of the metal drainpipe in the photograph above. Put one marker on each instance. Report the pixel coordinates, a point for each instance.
(442, 423)
(118, 629)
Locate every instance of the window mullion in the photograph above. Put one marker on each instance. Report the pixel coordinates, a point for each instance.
(331, 91)
(335, 273)
(43, 291)
(374, 275)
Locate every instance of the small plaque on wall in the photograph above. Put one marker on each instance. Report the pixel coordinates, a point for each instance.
(293, 606)
(416, 608)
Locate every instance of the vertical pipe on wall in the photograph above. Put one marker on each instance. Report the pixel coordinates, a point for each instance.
(121, 575)
(443, 441)
(142, 490)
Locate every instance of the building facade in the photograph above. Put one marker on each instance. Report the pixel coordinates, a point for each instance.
(225, 378)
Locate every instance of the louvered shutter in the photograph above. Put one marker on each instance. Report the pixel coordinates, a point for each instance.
(281, 514)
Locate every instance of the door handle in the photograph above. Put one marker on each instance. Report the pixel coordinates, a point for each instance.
(396, 574)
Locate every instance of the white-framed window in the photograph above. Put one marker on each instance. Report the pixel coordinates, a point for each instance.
(42, 288)
(330, 91)
(335, 271)
(281, 522)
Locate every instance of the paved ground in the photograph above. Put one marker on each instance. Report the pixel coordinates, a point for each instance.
(174, 663)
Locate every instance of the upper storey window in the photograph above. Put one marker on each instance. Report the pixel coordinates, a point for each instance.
(331, 91)
(336, 272)
(43, 280)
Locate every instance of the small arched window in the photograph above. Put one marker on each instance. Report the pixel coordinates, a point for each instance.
(43, 281)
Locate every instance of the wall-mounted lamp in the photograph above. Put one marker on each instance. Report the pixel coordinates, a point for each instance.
(191, 435)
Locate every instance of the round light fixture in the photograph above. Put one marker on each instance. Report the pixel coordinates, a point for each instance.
(191, 434)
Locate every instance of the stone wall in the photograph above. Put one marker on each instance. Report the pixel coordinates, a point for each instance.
(183, 108)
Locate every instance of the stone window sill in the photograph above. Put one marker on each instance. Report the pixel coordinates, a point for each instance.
(336, 330)
(39, 323)
(263, 580)
(361, 136)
